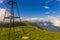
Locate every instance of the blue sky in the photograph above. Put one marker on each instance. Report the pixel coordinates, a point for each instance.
(36, 8)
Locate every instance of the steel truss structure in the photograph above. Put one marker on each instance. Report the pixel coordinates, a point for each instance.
(12, 3)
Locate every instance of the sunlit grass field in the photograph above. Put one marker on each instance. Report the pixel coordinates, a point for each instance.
(28, 32)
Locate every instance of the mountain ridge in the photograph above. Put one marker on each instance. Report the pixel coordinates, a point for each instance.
(31, 31)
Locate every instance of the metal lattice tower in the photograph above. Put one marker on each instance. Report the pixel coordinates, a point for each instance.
(12, 3)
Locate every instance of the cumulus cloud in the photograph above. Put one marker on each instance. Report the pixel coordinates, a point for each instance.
(1, 1)
(2, 14)
(55, 21)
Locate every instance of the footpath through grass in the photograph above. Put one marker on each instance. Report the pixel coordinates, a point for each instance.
(30, 33)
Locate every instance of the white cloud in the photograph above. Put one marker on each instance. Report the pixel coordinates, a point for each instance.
(1, 1)
(50, 12)
(33, 19)
(2, 13)
(58, 0)
(55, 21)
(46, 7)
(48, 1)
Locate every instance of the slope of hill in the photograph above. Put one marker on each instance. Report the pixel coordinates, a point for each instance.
(28, 32)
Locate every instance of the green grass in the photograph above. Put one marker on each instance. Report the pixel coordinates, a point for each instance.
(30, 31)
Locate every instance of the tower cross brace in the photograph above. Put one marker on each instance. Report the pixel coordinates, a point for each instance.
(12, 3)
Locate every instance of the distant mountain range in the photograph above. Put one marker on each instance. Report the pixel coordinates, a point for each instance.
(50, 23)
(47, 25)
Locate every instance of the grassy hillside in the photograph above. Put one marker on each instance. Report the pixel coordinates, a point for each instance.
(28, 32)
